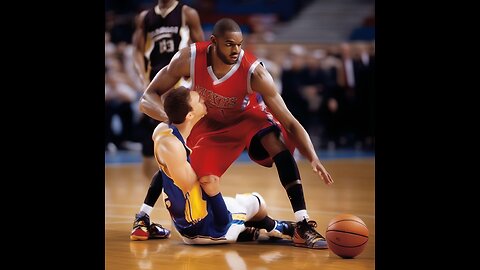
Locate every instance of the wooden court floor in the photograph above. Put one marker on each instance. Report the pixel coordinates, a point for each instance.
(353, 192)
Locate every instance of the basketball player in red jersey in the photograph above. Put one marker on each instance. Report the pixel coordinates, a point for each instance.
(243, 106)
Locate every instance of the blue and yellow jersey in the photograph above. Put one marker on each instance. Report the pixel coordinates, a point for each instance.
(190, 211)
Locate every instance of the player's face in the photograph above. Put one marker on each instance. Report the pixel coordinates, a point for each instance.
(228, 47)
(198, 105)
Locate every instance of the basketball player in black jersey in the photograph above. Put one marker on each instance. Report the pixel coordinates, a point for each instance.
(159, 33)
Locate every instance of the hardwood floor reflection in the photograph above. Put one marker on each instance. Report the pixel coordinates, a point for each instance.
(353, 192)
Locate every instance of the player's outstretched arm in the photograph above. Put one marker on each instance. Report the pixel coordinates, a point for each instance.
(172, 153)
(151, 102)
(262, 82)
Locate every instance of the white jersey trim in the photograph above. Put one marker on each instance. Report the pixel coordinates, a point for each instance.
(165, 13)
(193, 54)
(229, 74)
(249, 76)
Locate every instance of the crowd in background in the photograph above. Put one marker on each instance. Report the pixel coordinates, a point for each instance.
(328, 87)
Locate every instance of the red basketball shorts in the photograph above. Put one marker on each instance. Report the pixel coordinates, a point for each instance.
(215, 146)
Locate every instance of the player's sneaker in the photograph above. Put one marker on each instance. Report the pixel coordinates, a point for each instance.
(306, 236)
(282, 230)
(140, 227)
(249, 234)
(157, 231)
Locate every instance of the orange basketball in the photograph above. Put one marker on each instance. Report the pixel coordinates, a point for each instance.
(347, 235)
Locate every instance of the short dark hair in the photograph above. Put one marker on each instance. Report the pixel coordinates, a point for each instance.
(177, 104)
(225, 25)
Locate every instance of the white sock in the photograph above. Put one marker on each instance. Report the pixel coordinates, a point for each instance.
(146, 208)
(300, 215)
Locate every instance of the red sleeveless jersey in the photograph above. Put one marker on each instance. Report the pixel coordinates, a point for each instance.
(234, 115)
(226, 98)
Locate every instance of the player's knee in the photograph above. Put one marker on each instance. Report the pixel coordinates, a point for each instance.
(273, 144)
(262, 209)
(208, 179)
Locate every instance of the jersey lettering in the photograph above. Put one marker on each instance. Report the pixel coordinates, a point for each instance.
(166, 45)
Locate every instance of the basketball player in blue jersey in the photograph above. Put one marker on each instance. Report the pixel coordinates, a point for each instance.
(198, 210)
(160, 32)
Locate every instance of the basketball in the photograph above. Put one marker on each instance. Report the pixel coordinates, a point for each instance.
(347, 235)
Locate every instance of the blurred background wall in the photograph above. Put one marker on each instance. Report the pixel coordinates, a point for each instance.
(321, 54)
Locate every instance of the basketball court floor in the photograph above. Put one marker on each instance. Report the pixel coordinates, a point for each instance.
(353, 192)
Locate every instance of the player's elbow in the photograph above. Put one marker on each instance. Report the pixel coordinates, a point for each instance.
(143, 104)
(288, 126)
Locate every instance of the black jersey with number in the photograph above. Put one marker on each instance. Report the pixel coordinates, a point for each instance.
(163, 36)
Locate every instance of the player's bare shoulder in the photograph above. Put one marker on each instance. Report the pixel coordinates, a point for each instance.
(143, 14)
(182, 55)
(161, 131)
(261, 80)
(180, 63)
(260, 72)
(140, 18)
(191, 17)
(190, 13)
(166, 142)
(192, 20)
